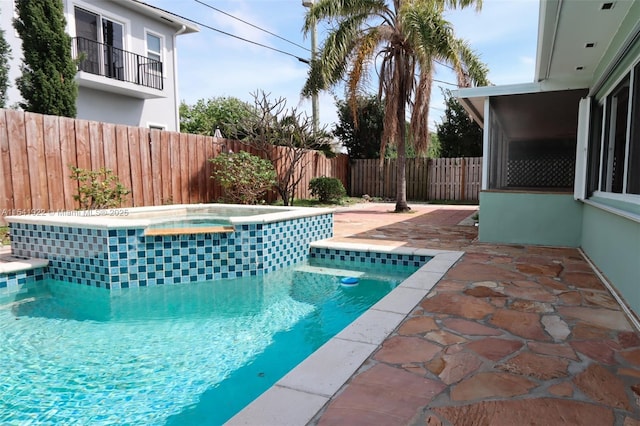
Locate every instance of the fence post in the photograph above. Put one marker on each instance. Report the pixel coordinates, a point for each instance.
(463, 187)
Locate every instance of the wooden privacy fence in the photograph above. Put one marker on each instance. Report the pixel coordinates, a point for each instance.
(456, 179)
(159, 167)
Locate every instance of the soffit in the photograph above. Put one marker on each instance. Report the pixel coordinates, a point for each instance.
(565, 28)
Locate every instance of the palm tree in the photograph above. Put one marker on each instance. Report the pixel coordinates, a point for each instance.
(401, 40)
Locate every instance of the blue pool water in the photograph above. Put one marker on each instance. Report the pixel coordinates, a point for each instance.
(183, 354)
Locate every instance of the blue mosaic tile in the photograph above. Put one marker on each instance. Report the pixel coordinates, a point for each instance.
(349, 256)
(118, 258)
(17, 282)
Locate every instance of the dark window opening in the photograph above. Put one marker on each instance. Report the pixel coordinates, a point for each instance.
(615, 142)
(633, 176)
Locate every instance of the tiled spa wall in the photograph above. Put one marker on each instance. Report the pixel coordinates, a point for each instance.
(120, 258)
(378, 260)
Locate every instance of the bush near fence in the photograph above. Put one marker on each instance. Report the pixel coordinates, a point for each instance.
(159, 167)
(455, 179)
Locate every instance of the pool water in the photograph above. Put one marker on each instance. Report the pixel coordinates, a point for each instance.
(183, 354)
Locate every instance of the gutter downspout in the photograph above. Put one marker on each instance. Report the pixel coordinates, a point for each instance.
(176, 98)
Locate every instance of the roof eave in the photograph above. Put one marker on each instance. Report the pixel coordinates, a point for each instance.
(472, 98)
(166, 16)
(548, 19)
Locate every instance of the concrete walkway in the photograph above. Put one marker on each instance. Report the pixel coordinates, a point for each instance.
(511, 335)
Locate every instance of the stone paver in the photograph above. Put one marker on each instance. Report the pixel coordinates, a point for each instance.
(511, 335)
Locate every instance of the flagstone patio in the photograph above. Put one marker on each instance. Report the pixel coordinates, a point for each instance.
(510, 335)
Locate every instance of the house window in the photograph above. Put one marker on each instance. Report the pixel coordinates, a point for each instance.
(612, 165)
(100, 41)
(633, 171)
(154, 51)
(618, 137)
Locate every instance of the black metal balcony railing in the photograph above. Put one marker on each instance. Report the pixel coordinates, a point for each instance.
(102, 59)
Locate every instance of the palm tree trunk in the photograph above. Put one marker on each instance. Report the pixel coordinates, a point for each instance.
(401, 177)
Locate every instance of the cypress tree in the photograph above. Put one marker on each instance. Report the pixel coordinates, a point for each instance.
(5, 55)
(459, 135)
(47, 81)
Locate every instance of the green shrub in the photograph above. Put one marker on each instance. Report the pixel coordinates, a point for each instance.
(98, 189)
(244, 177)
(4, 236)
(328, 190)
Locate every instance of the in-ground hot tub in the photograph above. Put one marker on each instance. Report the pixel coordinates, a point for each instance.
(147, 246)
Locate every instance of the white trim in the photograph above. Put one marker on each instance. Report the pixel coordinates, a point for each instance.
(582, 146)
(627, 133)
(157, 126)
(628, 198)
(176, 98)
(485, 144)
(160, 15)
(603, 131)
(618, 212)
(517, 89)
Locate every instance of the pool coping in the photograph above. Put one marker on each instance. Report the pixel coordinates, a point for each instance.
(299, 396)
(10, 264)
(142, 217)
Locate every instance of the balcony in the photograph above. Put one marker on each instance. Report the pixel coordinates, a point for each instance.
(120, 67)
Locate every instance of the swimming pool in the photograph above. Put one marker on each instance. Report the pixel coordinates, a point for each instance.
(173, 354)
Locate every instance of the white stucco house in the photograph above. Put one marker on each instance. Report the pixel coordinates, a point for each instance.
(128, 73)
(562, 153)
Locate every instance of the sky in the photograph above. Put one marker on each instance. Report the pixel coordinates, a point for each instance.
(503, 34)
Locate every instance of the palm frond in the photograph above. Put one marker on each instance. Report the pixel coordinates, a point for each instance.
(336, 10)
(420, 115)
(332, 63)
(462, 4)
(362, 59)
(476, 70)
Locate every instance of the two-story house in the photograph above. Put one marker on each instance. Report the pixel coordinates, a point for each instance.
(127, 69)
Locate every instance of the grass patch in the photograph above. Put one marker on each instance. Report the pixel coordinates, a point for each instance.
(312, 202)
(4, 236)
(454, 202)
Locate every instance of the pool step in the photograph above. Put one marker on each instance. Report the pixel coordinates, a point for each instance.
(328, 271)
(10, 263)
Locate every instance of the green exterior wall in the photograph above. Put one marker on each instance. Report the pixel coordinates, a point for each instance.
(530, 218)
(612, 242)
(626, 27)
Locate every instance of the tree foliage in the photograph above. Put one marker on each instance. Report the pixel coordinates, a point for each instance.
(47, 82)
(5, 56)
(272, 125)
(401, 39)
(245, 178)
(459, 135)
(361, 132)
(223, 113)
